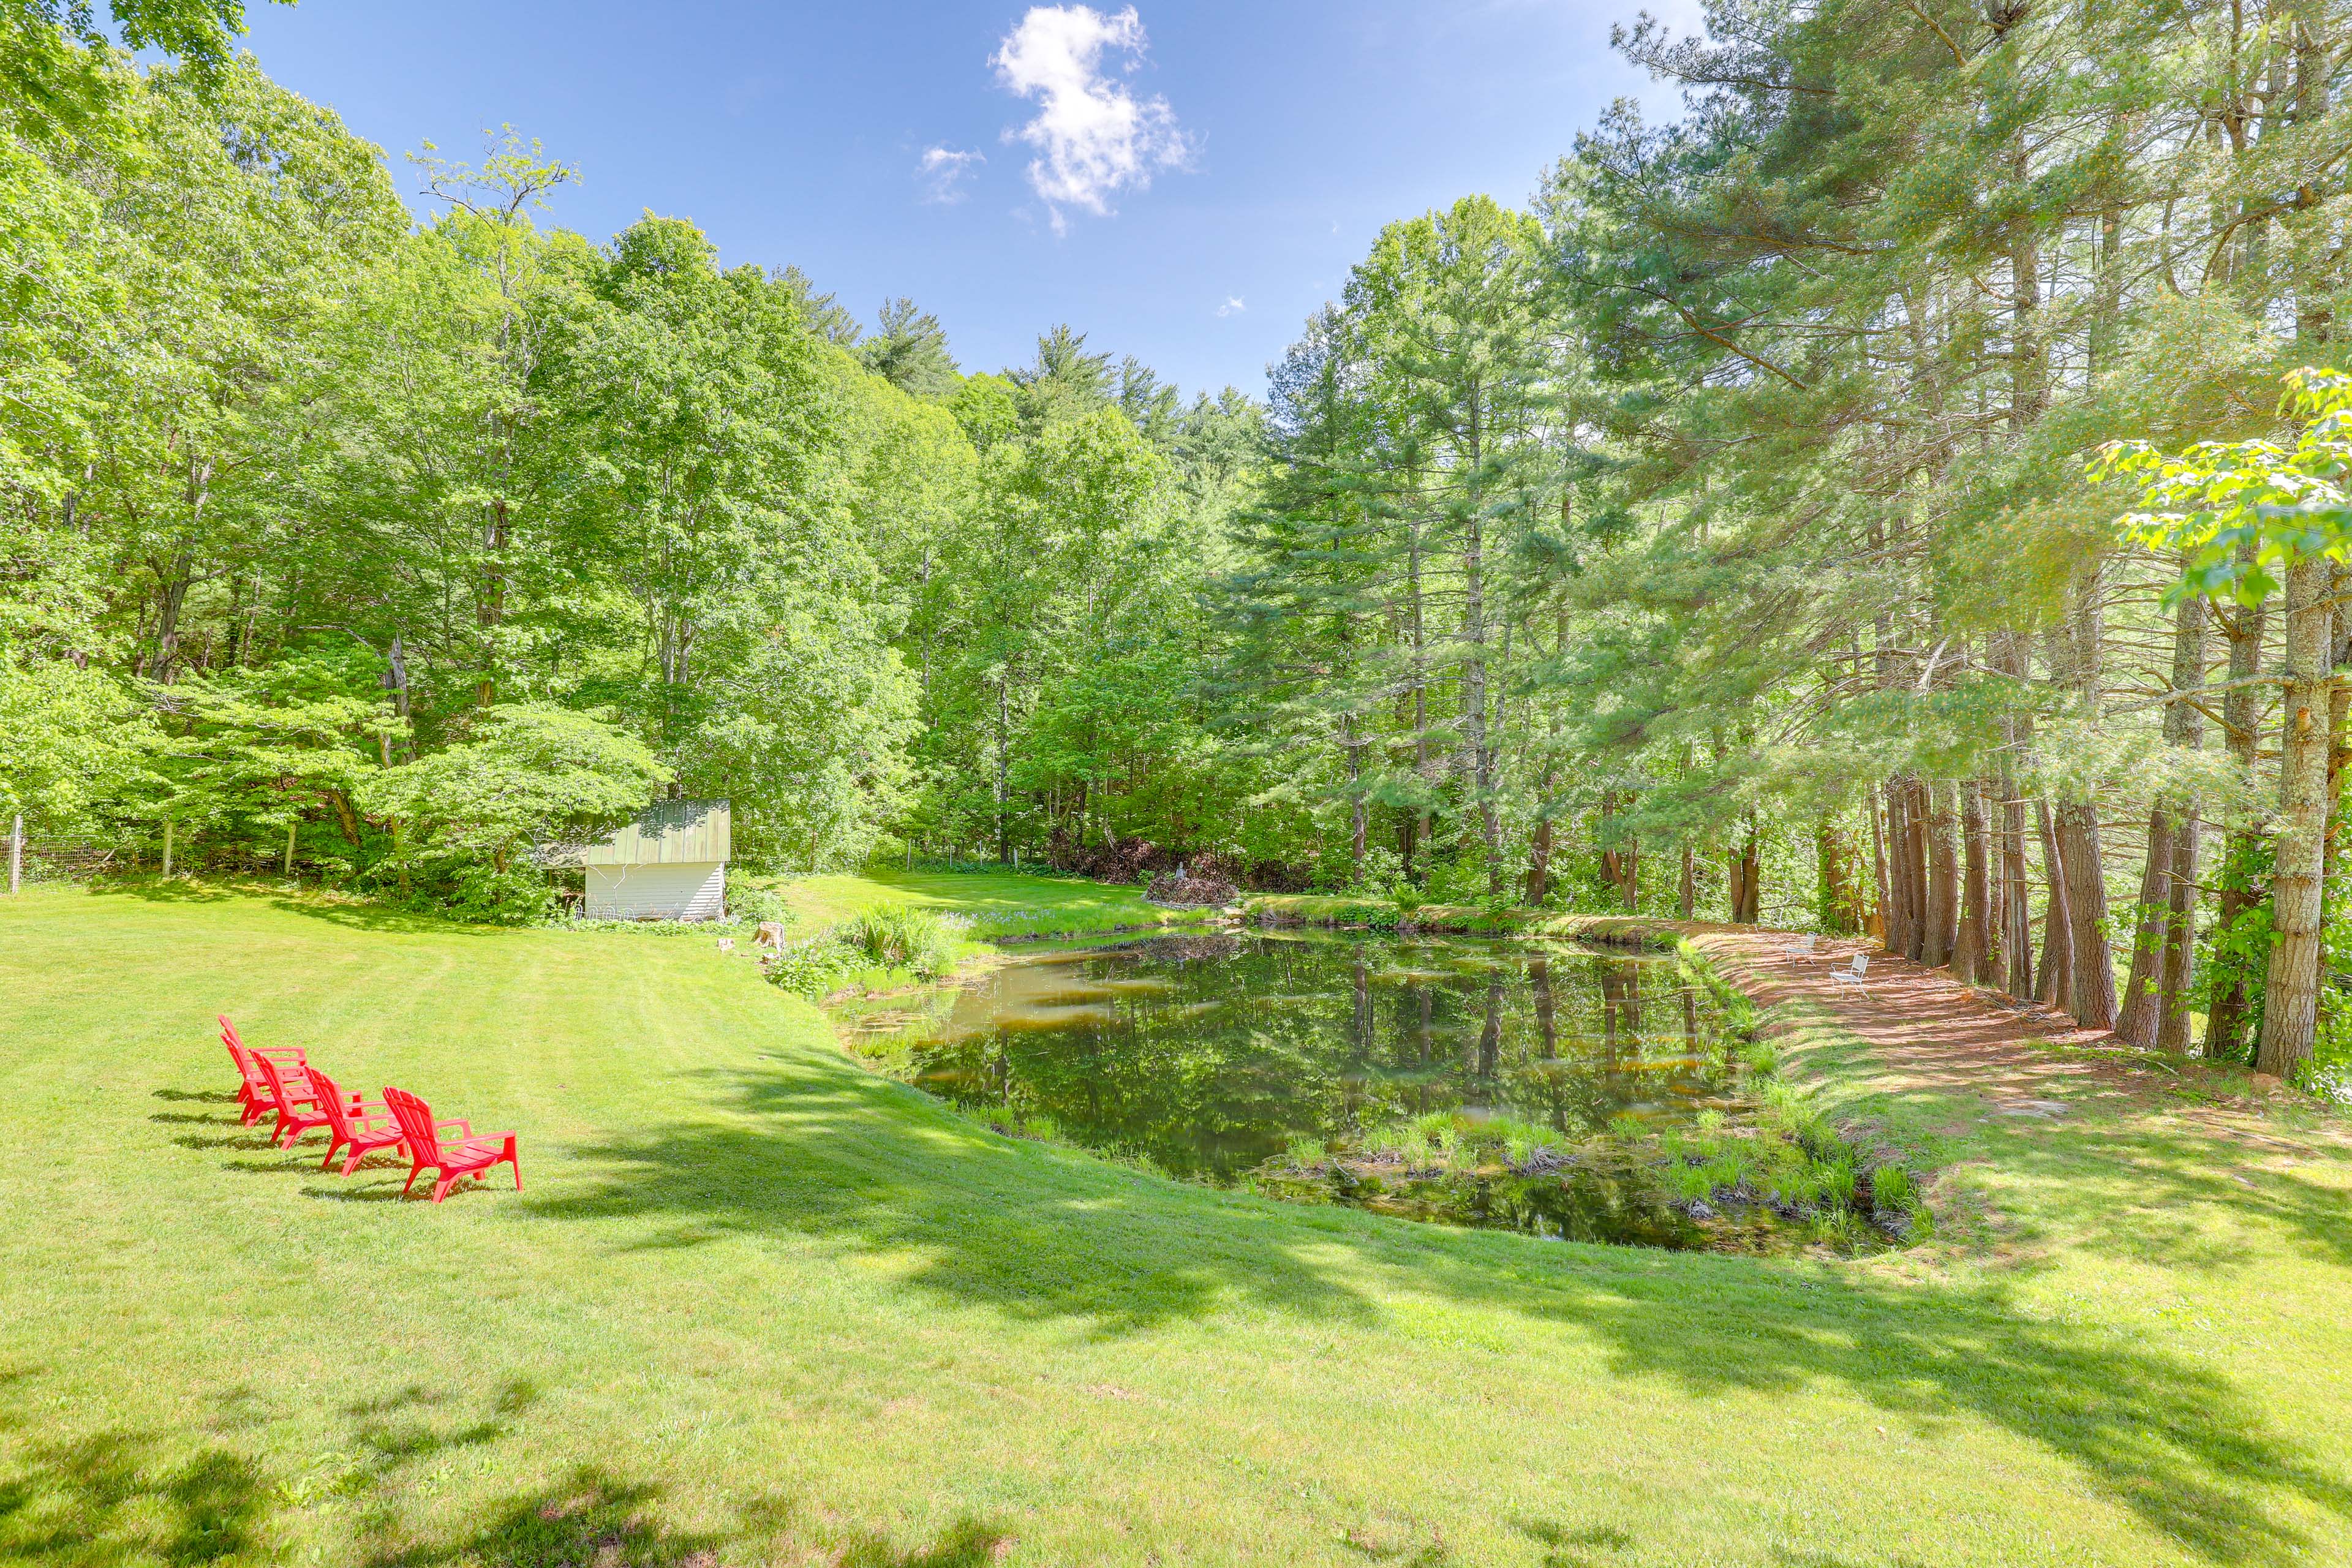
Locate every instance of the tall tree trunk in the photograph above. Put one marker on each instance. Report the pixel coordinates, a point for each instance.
(2184, 726)
(1359, 813)
(2241, 711)
(1878, 872)
(2136, 1019)
(2078, 831)
(1474, 695)
(1689, 885)
(1915, 853)
(1942, 877)
(2291, 990)
(1898, 882)
(1748, 875)
(1539, 860)
(1839, 907)
(2086, 909)
(1971, 955)
(2057, 966)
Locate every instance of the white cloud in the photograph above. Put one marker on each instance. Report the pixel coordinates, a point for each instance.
(1094, 138)
(942, 170)
(1233, 306)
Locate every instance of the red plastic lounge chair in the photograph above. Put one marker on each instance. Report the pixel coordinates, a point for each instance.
(253, 1093)
(293, 1096)
(363, 1126)
(469, 1157)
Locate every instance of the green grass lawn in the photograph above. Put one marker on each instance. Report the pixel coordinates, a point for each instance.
(756, 1305)
(1000, 904)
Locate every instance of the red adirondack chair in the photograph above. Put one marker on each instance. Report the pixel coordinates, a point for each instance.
(469, 1157)
(362, 1125)
(294, 1097)
(253, 1091)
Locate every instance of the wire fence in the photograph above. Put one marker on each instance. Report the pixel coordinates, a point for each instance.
(55, 858)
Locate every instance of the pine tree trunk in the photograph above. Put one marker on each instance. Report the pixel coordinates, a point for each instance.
(2016, 908)
(2180, 942)
(1915, 854)
(1898, 897)
(1689, 887)
(2136, 1020)
(2087, 909)
(2291, 990)
(2057, 966)
(2242, 709)
(1878, 870)
(1970, 953)
(1539, 861)
(2184, 726)
(1942, 877)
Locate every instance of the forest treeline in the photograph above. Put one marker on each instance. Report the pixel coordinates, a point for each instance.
(1733, 531)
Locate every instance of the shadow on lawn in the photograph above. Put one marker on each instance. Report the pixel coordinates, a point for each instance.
(111, 1498)
(108, 1497)
(992, 1222)
(2179, 1445)
(353, 914)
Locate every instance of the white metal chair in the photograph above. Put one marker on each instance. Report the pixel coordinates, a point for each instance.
(1855, 976)
(1800, 949)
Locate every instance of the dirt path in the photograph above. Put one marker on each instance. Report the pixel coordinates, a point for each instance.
(1932, 1030)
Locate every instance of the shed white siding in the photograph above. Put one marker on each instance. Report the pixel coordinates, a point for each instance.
(693, 890)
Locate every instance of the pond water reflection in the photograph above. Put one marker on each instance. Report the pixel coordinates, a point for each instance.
(1290, 1060)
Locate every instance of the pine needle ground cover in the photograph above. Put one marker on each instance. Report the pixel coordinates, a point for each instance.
(757, 1305)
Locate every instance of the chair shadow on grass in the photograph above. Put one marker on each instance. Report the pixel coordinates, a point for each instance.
(817, 1155)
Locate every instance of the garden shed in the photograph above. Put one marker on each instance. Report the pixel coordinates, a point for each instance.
(670, 864)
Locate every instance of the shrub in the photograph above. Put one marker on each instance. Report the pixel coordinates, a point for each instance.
(812, 968)
(750, 901)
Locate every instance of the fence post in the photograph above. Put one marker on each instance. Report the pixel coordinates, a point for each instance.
(16, 854)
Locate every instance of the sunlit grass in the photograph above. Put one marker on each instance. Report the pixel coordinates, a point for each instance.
(759, 1304)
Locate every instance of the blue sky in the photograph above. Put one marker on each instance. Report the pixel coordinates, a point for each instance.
(887, 149)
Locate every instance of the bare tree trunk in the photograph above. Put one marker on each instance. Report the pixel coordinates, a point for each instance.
(1689, 887)
(2291, 992)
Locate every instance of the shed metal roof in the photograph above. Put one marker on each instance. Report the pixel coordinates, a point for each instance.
(667, 833)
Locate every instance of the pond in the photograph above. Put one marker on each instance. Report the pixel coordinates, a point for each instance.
(1562, 1089)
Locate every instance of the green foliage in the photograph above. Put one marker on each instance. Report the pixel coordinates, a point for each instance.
(532, 782)
(902, 936)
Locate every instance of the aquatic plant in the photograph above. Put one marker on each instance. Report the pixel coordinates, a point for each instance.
(1305, 1153)
(1838, 1179)
(902, 936)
